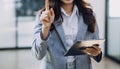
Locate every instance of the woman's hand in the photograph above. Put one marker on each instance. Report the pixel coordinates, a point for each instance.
(46, 18)
(92, 51)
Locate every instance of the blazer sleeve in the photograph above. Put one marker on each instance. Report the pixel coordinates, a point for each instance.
(96, 36)
(39, 46)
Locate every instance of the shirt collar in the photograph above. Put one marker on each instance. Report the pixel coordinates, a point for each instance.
(75, 11)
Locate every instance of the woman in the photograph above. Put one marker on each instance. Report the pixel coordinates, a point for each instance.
(59, 26)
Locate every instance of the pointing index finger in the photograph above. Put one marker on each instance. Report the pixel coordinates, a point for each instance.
(46, 4)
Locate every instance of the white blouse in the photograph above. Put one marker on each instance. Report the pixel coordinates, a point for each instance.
(70, 27)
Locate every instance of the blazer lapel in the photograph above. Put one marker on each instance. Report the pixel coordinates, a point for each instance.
(60, 32)
(82, 29)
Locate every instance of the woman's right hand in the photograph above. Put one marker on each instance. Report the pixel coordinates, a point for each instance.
(46, 18)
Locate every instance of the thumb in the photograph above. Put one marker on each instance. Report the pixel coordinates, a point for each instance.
(52, 12)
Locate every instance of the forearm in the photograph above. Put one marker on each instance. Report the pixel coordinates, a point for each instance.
(39, 47)
(45, 32)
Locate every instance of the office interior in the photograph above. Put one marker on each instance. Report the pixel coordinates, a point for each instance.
(17, 22)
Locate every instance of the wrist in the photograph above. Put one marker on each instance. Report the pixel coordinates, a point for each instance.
(45, 31)
(45, 28)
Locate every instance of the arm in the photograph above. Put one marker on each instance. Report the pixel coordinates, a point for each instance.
(96, 36)
(39, 46)
(41, 35)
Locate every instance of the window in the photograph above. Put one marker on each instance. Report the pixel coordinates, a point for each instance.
(114, 10)
(17, 22)
(113, 33)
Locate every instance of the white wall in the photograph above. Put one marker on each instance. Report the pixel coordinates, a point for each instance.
(99, 9)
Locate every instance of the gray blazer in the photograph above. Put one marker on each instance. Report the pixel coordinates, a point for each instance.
(51, 51)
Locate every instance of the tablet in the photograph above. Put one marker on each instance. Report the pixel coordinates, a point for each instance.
(88, 43)
(77, 48)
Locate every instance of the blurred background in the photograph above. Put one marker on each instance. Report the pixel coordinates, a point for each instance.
(17, 20)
